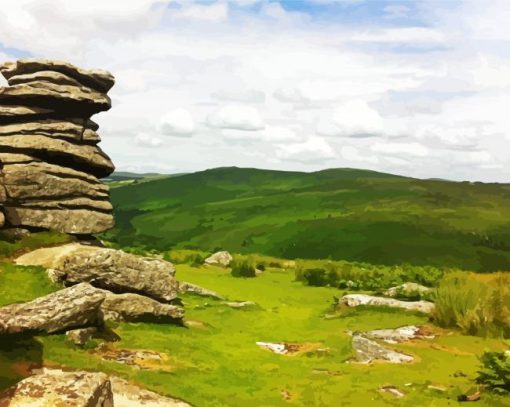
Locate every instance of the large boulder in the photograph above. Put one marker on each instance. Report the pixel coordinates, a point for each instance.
(58, 388)
(354, 300)
(69, 308)
(110, 269)
(137, 308)
(222, 259)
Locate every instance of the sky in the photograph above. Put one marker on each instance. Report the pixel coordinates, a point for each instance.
(418, 88)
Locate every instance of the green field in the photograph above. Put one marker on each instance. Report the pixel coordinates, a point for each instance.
(344, 214)
(215, 361)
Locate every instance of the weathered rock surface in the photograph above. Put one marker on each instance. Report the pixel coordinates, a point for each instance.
(111, 269)
(240, 304)
(48, 146)
(69, 308)
(407, 289)
(185, 287)
(137, 308)
(58, 388)
(368, 351)
(222, 258)
(94, 78)
(354, 300)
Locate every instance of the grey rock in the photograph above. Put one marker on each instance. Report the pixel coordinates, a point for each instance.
(407, 289)
(105, 268)
(69, 308)
(368, 350)
(354, 300)
(137, 308)
(185, 287)
(58, 388)
(222, 258)
(398, 335)
(80, 336)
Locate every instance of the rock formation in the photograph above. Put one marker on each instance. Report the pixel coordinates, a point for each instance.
(222, 259)
(354, 300)
(49, 156)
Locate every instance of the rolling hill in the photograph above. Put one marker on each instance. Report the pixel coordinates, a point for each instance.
(349, 214)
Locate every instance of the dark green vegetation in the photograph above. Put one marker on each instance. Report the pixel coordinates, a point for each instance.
(339, 214)
(496, 372)
(242, 267)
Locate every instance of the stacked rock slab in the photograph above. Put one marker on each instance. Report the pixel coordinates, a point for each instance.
(50, 161)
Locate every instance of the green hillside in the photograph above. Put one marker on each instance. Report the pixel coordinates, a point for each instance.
(339, 213)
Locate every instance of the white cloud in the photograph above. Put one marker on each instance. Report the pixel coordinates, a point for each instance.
(314, 149)
(145, 140)
(351, 119)
(351, 153)
(240, 95)
(202, 12)
(178, 122)
(404, 149)
(236, 117)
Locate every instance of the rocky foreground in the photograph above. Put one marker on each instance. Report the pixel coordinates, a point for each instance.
(50, 161)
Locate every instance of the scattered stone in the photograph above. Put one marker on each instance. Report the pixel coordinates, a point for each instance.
(136, 308)
(80, 336)
(240, 304)
(292, 348)
(392, 390)
(222, 258)
(69, 308)
(407, 289)
(354, 300)
(70, 389)
(185, 287)
(110, 269)
(368, 351)
(436, 387)
(397, 335)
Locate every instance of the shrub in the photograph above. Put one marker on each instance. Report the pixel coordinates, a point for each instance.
(261, 267)
(243, 267)
(495, 373)
(317, 277)
(477, 304)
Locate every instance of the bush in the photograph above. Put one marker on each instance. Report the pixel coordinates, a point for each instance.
(477, 304)
(243, 267)
(495, 373)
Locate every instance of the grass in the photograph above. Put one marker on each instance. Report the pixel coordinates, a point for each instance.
(477, 304)
(347, 214)
(215, 361)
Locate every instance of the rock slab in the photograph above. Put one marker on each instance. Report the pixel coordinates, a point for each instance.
(355, 300)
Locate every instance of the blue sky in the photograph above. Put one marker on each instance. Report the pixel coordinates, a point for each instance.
(415, 88)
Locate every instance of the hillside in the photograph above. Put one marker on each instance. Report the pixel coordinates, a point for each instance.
(339, 213)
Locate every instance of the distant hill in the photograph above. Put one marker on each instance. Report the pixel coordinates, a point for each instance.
(338, 213)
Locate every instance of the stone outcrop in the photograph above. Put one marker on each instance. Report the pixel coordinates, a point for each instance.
(50, 160)
(189, 288)
(105, 268)
(66, 309)
(222, 259)
(368, 350)
(354, 300)
(58, 388)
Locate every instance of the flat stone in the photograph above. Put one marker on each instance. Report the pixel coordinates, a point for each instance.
(69, 308)
(94, 78)
(59, 389)
(75, 100)
(354, 300)
(71, 220)
(49, 76)
(8, 112)
(368, 351)
(398, 335)
(111, 269)
(185, 287)
(86, 158)
(78, 130)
